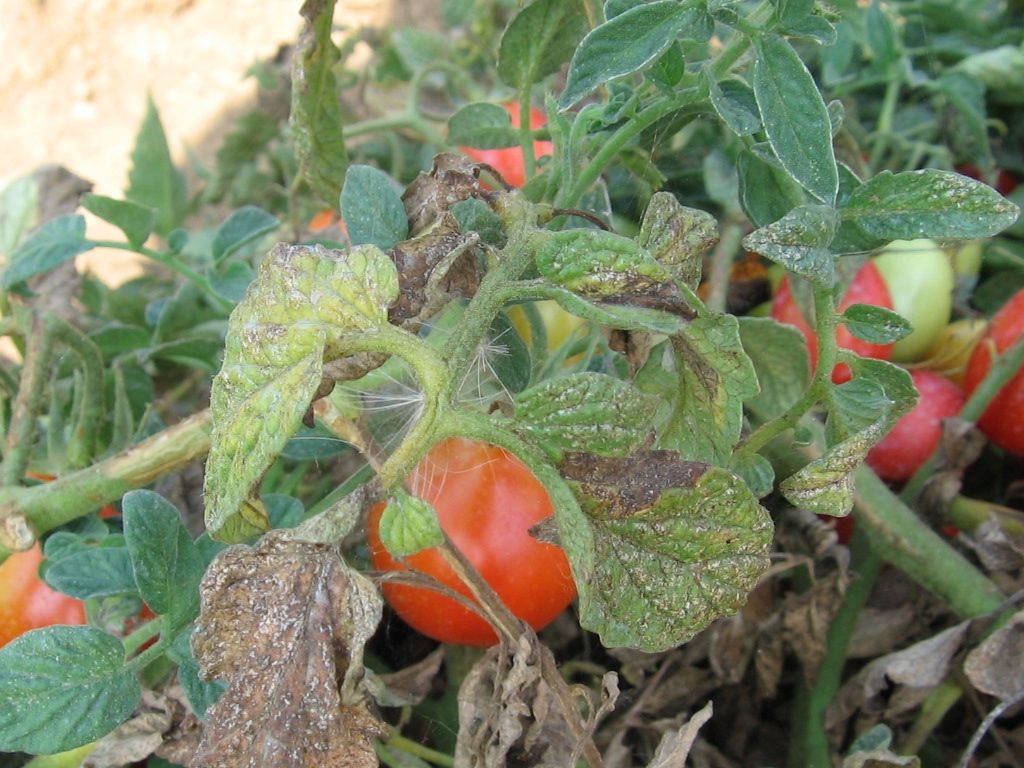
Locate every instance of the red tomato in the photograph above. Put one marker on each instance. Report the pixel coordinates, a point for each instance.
(509, 161)
(914, 438)
(1003, 420)
(26, 602)
(867, 287)
(486, 501)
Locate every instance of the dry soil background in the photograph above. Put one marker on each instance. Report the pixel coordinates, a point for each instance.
(74, 76)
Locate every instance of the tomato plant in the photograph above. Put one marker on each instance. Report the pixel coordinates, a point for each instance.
(486, 502)
(27, 602)
(867, 287)
(916, 435)
(509, 160)
(1003, 420)
(919, 276)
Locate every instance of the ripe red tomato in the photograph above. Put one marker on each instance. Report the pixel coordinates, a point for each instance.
(486, 501)
(867, 287)
(1003, 420)
(26, 602)
(902, 452)
(509, 161)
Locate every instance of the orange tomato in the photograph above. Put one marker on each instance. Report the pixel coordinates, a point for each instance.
(27, 602)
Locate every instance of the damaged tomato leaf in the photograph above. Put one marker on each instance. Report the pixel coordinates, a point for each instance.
(677, 236)
(303, 303)
(861, 412)
(608, 415)
(284, 623)
(604, 266)
(677, 544)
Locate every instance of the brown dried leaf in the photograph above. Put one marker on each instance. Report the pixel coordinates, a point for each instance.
(675, 746)
(996, 666)
(285, 623)
(997, 549)
(806, 618)
(453, 178)
(880, 758)
(409, 686)
(135, 739)
(509, 715)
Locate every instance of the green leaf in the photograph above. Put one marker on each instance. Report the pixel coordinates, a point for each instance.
(303, 303)
(507, 355)
(408, 525)
(795, 118)
(607, 415)
(241, 228)
(372, 208)
(93, 572)
(482, 125)
(626, 44)
(755, 471)
(136, 221)
(876, 325)
(715, 377)
(767, 193)
(779, 355)
(316, 122)
(61, 687)
(54, 243)
(735, 103)
(233, 280)
(167, 565)
(19, 211)
(202, 694)
(678, 237)
(799, 241)
(928, 203)
(540, 39)
(677, 545)
(154, 181)
(882, 37)
(476, 216)
(600, 265)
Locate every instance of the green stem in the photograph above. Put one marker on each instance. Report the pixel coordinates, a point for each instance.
(410, 747)
(606, 155)
(174, 264)
(142, 635)
(84, 433)
(739, 43)
(1005, 367)
(904, 540)
(29, 402)
(721, 264)
(526, 134)
(68, 497)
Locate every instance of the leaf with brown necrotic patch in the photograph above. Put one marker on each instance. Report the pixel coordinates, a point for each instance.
(285, 623)
(678, 544)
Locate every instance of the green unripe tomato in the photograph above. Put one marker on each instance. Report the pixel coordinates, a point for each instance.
(920, 279)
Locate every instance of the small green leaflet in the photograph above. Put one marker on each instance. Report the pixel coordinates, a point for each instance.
(136, 221)
(54, 243)
(795, 118)
(408, 525)
(372, 208)
(241, 228)
(302, 304)
(154, 182)
(61, 687)
(799, 241)
(877, 325)
(166, 563)
(482, 125)
(678, 237)
(607, 415)
(779, 355)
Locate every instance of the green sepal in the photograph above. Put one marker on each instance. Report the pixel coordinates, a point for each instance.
(409, 525)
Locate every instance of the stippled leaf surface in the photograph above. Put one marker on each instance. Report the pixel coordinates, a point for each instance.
(678, 237)
(316, 122)
(713, 377)
(608, 416)
(677, 545)
(799, 241)
(61, 687)
(303, 303)
(927, 203)
(795, 118)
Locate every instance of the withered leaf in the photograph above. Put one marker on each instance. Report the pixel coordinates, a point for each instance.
(452, 178)
(408, 686)
(994, 667)
(137, 738)
(675, 746)
(509, 715)
(285, 623)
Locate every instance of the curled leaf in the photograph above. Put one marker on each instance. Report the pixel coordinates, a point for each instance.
(677, 236)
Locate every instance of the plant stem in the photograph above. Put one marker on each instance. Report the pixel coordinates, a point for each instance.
(398, 741)
(721, 264)
(29, 402)
(71, 496)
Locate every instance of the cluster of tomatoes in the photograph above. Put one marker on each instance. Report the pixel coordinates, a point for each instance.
(947, 360)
